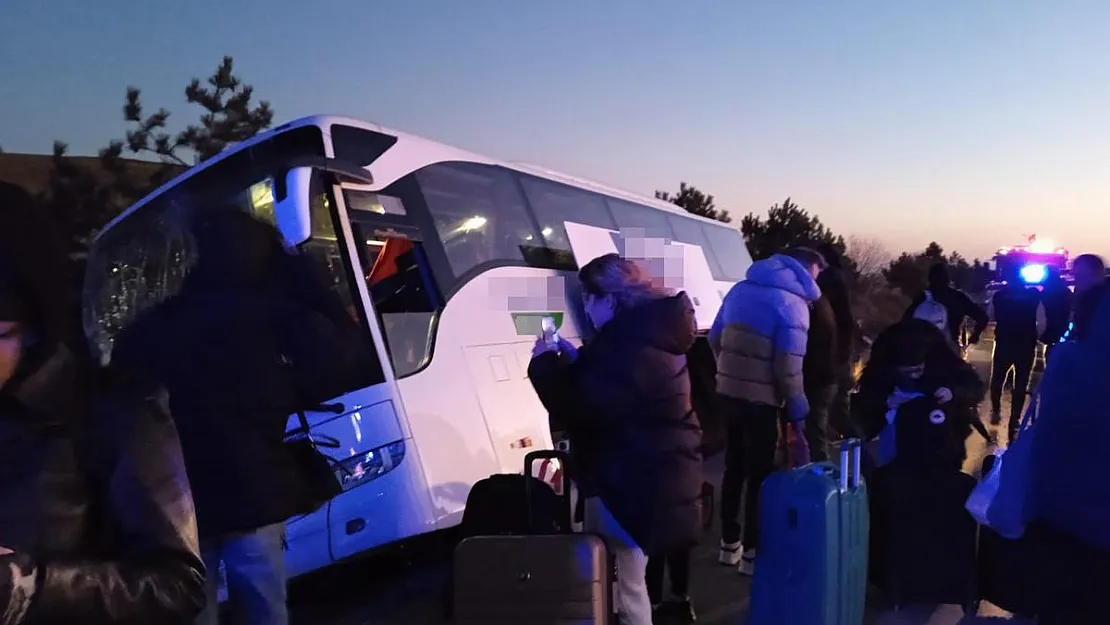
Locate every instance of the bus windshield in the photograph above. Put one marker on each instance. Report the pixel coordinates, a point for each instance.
(143, 258)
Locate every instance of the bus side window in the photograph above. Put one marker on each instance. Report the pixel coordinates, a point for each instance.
(404, 296)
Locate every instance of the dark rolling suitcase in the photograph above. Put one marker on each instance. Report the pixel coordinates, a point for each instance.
(924, 541)
(503, 504)
(550, 579)
(1005, 577)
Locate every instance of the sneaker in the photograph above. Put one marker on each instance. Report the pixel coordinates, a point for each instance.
(747, 563)
(996, 417)
(730, 553)
(684, 610)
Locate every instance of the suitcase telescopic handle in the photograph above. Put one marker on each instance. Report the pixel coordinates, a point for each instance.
(530, 461)
(850, 451)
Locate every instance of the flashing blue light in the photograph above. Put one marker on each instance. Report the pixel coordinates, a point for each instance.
(1034, 274)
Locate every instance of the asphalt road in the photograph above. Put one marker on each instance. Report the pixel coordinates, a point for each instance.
(405, 586)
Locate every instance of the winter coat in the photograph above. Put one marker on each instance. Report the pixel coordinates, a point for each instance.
(1057, 301)
(943, 369)
(1072, 439)
(94, 501)
(760, 335)
(1016, 311)
(96, 505)
(834, 287)
(239, 353)
(819, 367)
(626, 400)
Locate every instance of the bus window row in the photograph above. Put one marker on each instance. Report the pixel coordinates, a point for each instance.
(485, 213)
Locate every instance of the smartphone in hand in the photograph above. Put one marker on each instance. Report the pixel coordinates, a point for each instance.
(548, 332)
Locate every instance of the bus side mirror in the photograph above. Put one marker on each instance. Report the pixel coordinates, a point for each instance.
(293, 212)
(293, 203)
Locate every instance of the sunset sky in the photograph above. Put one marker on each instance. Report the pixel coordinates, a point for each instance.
(968, 122)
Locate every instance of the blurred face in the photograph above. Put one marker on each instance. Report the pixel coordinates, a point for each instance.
(814, 270)
(11, 347)
(1087, 276)
(600, 309)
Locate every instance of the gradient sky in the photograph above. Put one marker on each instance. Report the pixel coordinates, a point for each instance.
(969, 122)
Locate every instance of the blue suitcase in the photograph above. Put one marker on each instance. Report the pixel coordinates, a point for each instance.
(811, 564)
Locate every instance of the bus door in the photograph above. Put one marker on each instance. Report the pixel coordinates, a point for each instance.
(388, 261)
(385, 497)
(679, 266)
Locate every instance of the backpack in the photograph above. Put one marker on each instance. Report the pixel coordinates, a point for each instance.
(932, 311)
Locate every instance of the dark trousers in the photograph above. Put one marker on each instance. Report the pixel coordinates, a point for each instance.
(1018, 357)
(840, 420)
(1074, 578)
(678, 561)
(753, 431)
(817, 421)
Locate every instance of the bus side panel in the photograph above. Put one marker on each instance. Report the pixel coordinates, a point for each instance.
(307, 547)
(386, 510)
(473, 409)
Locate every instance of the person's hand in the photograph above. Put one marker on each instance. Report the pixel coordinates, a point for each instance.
(797, 446)
(541, 347)
(943, 395)
(5, 551)
(567, 349)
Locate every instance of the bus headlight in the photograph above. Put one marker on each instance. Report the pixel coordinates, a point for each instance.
(365, 467)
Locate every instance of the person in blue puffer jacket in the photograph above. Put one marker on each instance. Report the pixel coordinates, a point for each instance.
(760, 337)
(1069, 495)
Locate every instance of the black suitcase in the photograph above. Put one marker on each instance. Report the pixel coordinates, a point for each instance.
(1005, 578)
(513, 504)
(923, 540)
(549, 579)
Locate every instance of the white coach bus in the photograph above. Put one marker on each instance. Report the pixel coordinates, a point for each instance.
(449, 260)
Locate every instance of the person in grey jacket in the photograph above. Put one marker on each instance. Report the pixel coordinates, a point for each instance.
(759, 337)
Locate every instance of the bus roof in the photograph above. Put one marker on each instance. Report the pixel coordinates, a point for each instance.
(410, 153)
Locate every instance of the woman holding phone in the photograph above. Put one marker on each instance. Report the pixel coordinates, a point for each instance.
(625, 400)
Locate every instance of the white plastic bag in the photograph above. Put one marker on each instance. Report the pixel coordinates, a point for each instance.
(1000, 501)
(979, 502)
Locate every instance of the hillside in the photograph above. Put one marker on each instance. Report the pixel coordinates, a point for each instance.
(32, 171)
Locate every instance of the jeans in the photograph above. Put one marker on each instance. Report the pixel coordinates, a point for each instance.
(631, 596)
(255, 569)
(753, 431)
(817, 421)
(1018, 357)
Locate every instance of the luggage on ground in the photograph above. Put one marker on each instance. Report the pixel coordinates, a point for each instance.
(513, 504)
(1006, 578)
(923, 541)
(811, 564)
(523, 579)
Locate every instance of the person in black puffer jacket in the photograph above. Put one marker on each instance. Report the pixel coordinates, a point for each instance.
(819, 371)
(249, 340)
(626, 400)
(833, 282)
(913, 359)
(96, 514)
